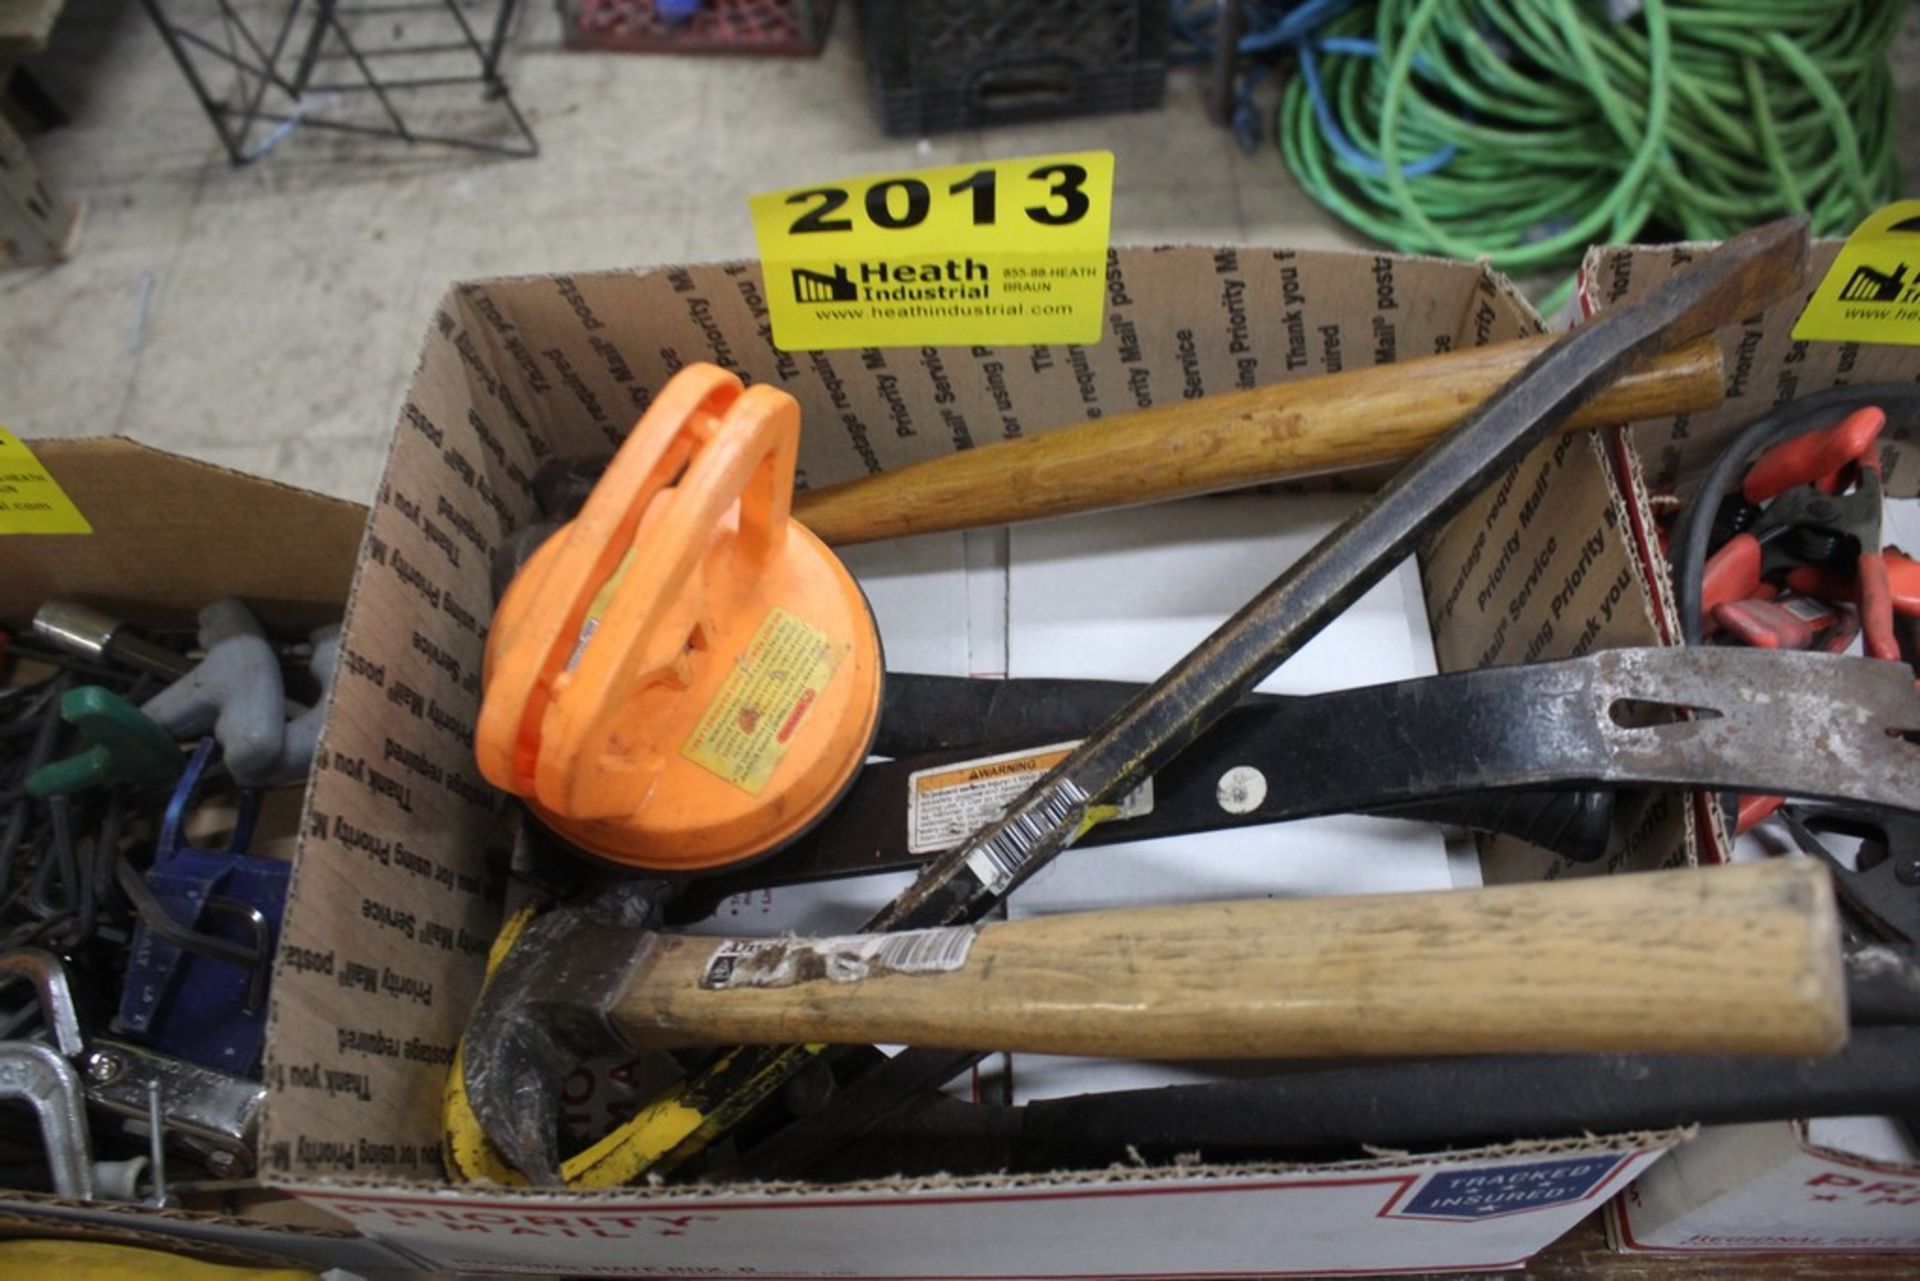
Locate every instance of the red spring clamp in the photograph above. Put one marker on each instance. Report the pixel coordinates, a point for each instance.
(1818, 458)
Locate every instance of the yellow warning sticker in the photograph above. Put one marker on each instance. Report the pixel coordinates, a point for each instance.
(31, 500)
(752, 720)
(948, 803)
(1871, 294)
(1006, 251)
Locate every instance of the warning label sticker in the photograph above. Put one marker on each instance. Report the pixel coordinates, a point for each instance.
(752, 720)
(948, 803)
(1002, 252)
(1871, 294)
(31, 500)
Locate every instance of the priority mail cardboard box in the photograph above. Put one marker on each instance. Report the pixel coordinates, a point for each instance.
(167, 535)
(1844, 1184)
(1836, 1184)
(398, 877)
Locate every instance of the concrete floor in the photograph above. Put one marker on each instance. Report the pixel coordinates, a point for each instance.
(267, 318)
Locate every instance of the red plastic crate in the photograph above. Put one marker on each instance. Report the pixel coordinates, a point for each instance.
(721, 26)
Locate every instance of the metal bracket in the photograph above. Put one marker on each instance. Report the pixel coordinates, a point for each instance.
(213, 1113)
(38, 1075)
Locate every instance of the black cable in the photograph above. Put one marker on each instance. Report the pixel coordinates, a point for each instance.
(1693, 529)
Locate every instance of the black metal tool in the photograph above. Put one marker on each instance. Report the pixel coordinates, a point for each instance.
(1881, 885)
(1742, 276)
(1338, 1112)
(1489, 743)
(1320, 1113)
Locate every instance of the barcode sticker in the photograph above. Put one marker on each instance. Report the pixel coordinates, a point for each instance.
(1000, 860)
(948, 803)
(848, 958)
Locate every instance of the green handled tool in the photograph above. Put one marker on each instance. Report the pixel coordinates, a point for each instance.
(127, 746)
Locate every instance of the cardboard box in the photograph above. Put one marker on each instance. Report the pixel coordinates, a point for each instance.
(1783, 1185)
(1786, 1186)
(397, 881)
(169, 535)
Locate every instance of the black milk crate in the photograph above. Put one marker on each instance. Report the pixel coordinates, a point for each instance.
(941, 65)
(797, 27)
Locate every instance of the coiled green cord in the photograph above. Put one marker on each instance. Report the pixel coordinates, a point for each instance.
(1686, 118)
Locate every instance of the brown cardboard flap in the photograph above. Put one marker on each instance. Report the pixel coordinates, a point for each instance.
(398, 877)
(171, 534)
(1542, 566)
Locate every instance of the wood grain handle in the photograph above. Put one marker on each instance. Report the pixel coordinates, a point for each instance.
(1332, 423)
(1739, 960)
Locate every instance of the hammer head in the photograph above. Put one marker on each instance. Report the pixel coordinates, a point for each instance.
(547, 1008)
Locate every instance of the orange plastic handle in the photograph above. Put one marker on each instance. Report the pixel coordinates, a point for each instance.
(538, 624)
(1816, 458)
(592, 758)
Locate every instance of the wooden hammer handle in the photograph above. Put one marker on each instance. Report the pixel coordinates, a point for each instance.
(1229, 441)
(1735, 960)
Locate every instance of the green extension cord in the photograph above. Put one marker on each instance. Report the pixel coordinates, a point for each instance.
(1697, 117)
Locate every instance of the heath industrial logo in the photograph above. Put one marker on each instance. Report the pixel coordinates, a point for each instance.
(1507, 1189)
(1872, 284)
(816, 286)
(1871, 292)
(954, 280)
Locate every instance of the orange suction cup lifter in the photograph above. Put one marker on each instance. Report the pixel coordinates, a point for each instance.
(682, 677)
(539, 620)
(594, 761)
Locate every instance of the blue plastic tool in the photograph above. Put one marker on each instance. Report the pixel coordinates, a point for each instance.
(206, 1009)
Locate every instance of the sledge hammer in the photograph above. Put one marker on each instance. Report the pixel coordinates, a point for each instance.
(1616, 964)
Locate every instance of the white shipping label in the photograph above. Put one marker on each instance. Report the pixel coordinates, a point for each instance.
(948, 803)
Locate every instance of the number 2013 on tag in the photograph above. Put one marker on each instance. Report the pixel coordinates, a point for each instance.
(1011, 251)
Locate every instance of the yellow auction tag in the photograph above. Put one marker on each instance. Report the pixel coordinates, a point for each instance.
(1871, 294)
(31, 501)
(1002, 252)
